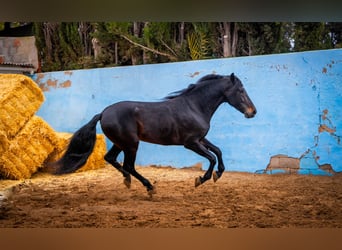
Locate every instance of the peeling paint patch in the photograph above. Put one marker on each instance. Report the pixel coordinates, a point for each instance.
(308, 162)
(327, 126)
(328, 168)
(53, 84)
(328, 65)
(305, 164)
(43, 87)
(65, 84)
(284, 163)
(324, 127)
(194, 74)
(39, 77)
(325, 113)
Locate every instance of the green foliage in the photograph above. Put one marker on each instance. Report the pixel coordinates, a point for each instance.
(311, 36)
(154, 33)
(105, 34)
(264, 38)
(65, 46)
(119, 27)
(335, 32)
(198, 45)
(198, 42)
(60, 46)
(70, 44)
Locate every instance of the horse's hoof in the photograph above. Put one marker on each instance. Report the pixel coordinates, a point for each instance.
(127, 183)
(198, 181)
(215, 176)
(152, 191)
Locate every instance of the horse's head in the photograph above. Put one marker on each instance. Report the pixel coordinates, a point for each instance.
(237, 97)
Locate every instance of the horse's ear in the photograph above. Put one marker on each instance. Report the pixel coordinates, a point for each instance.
(232, 77)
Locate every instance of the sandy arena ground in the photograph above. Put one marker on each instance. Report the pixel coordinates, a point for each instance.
(99, 198)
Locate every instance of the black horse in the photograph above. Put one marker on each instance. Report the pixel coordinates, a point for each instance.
(182, 118)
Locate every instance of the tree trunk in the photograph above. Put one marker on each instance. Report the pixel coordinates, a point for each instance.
(181, 33)
(146, 54)
(230, 39)
(136, 32)
(116, 53)
(249, 41)
(49, 30)
(234, 39)
(136, 29)
(96, 48)
(227, 48)
(84, 29)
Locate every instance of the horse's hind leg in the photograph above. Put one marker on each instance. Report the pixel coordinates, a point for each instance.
(129, 161)
(110, 157)
(217, 174)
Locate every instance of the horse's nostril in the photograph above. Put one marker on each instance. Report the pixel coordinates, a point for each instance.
(251, 110)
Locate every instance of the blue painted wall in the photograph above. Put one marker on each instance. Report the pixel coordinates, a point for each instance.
(298, 97)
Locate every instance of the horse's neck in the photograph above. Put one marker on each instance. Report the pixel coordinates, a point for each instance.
(207, 100)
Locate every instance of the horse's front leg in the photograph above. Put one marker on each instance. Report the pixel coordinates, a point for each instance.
(217, 174)
(200, 149)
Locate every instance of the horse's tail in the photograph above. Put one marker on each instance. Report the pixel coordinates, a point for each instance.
(79, 149)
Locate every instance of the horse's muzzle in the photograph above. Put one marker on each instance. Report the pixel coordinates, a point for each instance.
(250, 112)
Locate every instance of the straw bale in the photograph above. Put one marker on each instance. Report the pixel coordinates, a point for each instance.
(20, 98)
(95, 160)
(4, 142)
(28, 150)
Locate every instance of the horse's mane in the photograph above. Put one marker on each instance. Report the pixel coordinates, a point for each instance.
(210, 77)
(192, 86)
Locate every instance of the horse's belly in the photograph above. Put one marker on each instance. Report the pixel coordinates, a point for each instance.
(165, 135)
